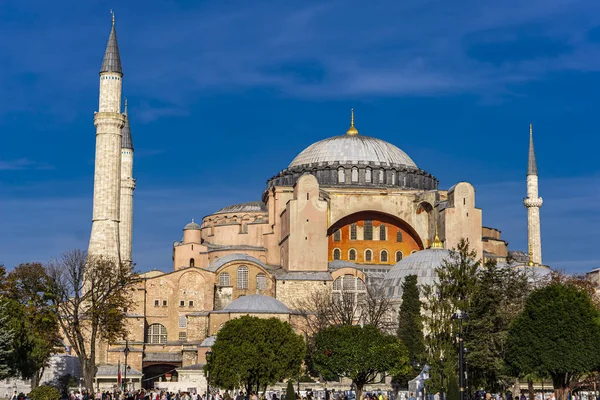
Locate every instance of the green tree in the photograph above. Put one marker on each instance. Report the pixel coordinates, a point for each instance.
(33, 319)
(499, 297)
(410, 324)
(289, 393)
(360, 354)
(45, 392)
(255, 352)
(91, 295)
(556, 335)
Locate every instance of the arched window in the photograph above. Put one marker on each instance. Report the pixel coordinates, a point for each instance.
(353, 232)
(398, 256)
(192, 262)
(352, 255)
(354, 174)
(156, 334)
(368, 175)
(383, 256)
(382, 235)
(242, 277)
(393, 177)
(341, 175)
(261, 281)
(368, 226)
(368, 255)
(399, 236)
(337, 284)
(337, 235)
(349, 282)
(224, 279)
(381, 175)
(337, 254)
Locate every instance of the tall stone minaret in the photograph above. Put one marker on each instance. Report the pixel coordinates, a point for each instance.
(533, 203)
(109, 121)
(127, 188)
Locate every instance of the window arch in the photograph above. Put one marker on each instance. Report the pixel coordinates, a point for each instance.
(383, 256)
(393, 177)
(398, 256)
(156, 334)
(341, 175)
(368, 255)
(368, 229)
(224, 279)
(354, 175)
(337, 235)
(352, 255)
(368, 175)
(353, 230)
(381, 174)
(382, 234)
(261, 281)
(192, 262)
(337, 254)
(242, 277)
(399, 236)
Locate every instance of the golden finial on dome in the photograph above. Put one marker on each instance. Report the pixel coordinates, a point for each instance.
(437, 243)
(352, 131)
(112, 13)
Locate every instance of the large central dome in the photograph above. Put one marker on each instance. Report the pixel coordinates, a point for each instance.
(355, 149)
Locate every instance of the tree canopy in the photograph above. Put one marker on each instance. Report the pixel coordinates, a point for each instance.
(358, 353)
(255, 352)
(410, 323)
(556, 335)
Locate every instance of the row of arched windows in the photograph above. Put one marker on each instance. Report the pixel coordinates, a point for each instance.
(367, 232)
(368, 255)
(368, 175)
(242, 279)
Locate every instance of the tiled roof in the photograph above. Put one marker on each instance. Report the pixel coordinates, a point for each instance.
(112, 58)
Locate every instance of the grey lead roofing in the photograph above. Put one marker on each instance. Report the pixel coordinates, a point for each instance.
(112, 58)
(126, 142)
(532, 167)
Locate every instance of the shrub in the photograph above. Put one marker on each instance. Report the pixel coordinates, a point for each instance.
(45, 392)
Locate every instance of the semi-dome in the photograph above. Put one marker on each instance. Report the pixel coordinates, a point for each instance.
(354, 149)
(251, 206)
(257, 304)
(422, 264)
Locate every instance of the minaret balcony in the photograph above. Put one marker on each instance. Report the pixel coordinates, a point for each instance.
(533, 202)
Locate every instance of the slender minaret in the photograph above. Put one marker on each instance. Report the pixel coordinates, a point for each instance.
(109, 122)
(533, 203)
(127, 188)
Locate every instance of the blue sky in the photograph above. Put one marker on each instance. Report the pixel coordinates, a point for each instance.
(223, 95)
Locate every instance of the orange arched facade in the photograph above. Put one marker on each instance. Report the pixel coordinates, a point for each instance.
(371, 238)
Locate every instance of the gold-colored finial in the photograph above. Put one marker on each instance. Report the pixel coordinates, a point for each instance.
(437, 243)
(530, 129)
(352, 131)
(112, 13)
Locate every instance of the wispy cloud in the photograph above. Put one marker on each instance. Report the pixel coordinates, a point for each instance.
(22, 164)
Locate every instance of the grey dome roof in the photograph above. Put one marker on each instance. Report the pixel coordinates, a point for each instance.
(192, 226)
(356, 149)
(422, 263)
(256, 304)
(251, 206)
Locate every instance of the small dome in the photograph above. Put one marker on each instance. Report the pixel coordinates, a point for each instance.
(251, 206)
(257, 304)
(422, 263)
(355, 149)
(192, 226)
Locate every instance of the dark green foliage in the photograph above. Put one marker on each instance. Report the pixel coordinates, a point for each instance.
(289, 393)
(6, 343)
(410, 325)
(556, 335)
(45, 392)
(499, 297)
(255, 352)
(453, 392)
(359, 353)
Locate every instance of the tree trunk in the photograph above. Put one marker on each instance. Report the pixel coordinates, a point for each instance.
(35, 379)
(561, 386)
(88, 368)
(530, 389)
(359, 391)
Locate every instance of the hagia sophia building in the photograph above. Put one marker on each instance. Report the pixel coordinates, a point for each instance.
(349, 211)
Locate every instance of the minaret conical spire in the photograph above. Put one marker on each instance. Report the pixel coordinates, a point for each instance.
(112, 58)
(126, 142)
(532, 165)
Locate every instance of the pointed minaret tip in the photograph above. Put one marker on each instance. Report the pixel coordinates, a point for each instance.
(112, 58)
(126, 142)
(532, 164)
